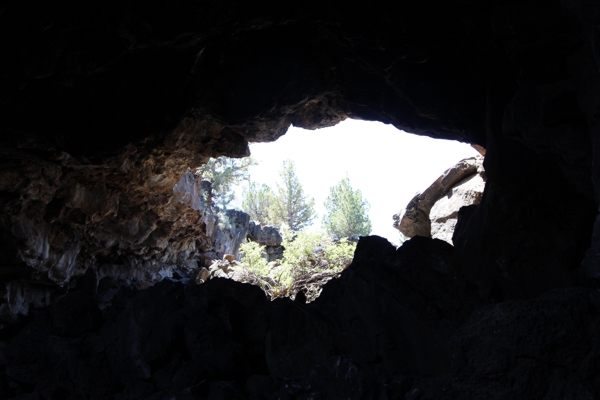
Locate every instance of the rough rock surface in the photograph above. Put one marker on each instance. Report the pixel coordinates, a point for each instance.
(444, 214)
(105, 106)
(268, 236)
(433, 213)
(264, 235)
(173, 232)
(394, 325)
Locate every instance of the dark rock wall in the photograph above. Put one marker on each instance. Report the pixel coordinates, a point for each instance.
(137, 217)
(121, 73)
(105, 105)
(539, 157)
(396, 324)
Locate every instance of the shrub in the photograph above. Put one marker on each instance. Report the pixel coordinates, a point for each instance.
(340, 254)
(310, 260)
(253, 258)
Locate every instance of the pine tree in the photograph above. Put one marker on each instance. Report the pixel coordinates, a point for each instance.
(224, 173)
(347, 212)
(257, 201)
(291, 206)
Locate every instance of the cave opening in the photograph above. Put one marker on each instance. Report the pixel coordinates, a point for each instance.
(105, 105)
(388, 165)
(298, 205)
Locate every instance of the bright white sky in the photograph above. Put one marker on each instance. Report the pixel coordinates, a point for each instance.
(389, 166)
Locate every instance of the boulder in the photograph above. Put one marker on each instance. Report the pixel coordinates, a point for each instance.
(434, 212)
(264, 235)
(202, 276)
(268, 236)
(444, 213)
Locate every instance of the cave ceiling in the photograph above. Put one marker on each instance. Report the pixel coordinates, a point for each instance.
(96, 77)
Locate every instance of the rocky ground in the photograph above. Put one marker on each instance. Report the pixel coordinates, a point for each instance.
(398, 323)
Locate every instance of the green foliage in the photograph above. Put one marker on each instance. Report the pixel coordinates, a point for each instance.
(257, 201)
(290, 205)
(340, 255)
(299, 248)
(224, 173)
(228, 219)
(286, 205)
(224, 221)
(347, 211)
(253, 258)
(310, 259)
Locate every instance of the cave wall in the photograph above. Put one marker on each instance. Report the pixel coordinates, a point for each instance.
(106, 105)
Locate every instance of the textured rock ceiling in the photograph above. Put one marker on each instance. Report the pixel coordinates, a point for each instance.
(104, 105)
(96, 77)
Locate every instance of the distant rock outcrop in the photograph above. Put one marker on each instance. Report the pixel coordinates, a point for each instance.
(268, 236)
(227, 229)
(434, 212)
(236, 227)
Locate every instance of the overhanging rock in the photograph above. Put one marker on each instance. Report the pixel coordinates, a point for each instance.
(434, 212)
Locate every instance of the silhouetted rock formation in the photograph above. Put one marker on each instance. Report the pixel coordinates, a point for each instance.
(267, 236)
(434, 212)
(105, 106)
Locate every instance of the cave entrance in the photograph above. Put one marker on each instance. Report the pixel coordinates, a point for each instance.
(388, 165)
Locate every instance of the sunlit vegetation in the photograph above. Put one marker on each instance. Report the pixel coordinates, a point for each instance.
(310, 260)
